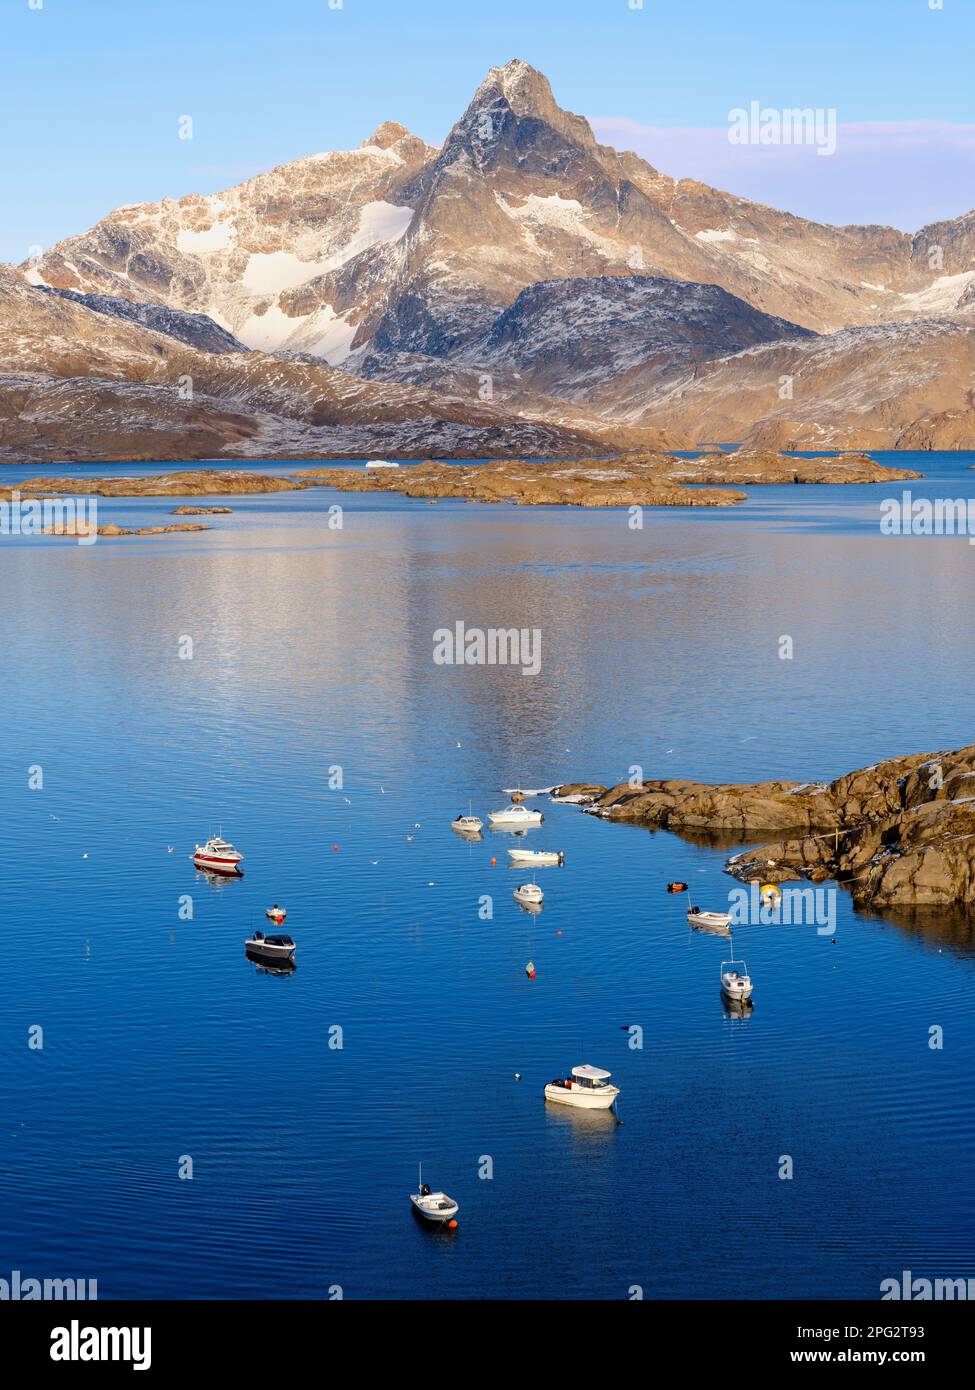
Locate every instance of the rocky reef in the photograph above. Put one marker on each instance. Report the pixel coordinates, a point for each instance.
(201, 511)
(79, 529)
(899, 832)
(203, 482)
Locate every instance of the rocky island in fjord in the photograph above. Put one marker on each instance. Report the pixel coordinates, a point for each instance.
(899, 832)
(635, 479)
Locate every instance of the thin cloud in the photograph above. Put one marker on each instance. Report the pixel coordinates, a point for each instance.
(896, 173)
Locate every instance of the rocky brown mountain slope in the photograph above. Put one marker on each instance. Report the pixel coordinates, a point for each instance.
(901, 831)
(73, 387)
(881, 387)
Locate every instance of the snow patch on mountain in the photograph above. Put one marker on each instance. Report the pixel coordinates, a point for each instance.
(273, 271)
(554, 213)
(940, 297)
(219, 237)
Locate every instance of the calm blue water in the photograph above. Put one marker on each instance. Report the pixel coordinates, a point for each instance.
(312, 649)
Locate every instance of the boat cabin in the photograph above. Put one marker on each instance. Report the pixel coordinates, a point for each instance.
(584, 1078)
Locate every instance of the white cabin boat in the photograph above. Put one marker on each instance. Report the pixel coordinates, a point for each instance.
(467, 825)
(528, 893)
(515, 816)
(736, 982)
(586, 1088)
(272, 948)
(218, 856)
(381, 463)
(535, 856)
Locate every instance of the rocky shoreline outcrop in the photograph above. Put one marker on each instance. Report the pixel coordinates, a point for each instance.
(899, 832)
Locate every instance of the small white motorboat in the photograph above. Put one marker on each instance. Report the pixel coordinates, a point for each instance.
(713, 921)
(528, 893)
(535, 856)
(381, 463)
(736, 982)
(435, 1207)
(515, 816)
(217, 855)
(275, 914)
(467, 825)
(279, 948)
(586, 1088)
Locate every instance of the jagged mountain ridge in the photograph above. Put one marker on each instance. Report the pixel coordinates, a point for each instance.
(574, 340)
(196, 330)
(589, 286)
(401, 247)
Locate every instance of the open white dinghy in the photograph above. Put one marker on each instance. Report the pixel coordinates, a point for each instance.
(736, 983)
(435, 1207)
(719, 922)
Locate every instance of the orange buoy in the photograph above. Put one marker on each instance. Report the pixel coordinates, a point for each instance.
(335, 848)
(558, 933)
(452, 1225)
(493, 863)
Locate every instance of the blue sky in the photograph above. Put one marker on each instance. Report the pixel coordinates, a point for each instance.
(92, 92)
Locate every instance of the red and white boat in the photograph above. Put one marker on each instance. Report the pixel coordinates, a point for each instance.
(218, 856)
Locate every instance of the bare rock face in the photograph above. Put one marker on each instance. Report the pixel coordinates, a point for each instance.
(948, 429)
(569, 338)
(196, 330)
(902, 831)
